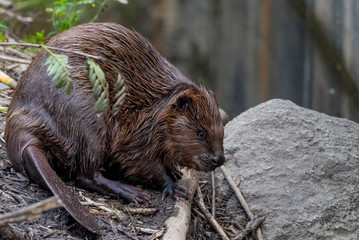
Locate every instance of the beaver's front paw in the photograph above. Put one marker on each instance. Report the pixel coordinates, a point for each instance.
(171, 189)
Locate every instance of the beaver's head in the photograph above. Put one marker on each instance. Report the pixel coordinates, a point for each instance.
(195, 132)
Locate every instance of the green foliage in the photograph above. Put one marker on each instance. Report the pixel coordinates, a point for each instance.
(66, 13)
(37, 38)
(3, 26)
(100, 87)
(57, 65)
(3, 110)
(2, 37)
(121, 94)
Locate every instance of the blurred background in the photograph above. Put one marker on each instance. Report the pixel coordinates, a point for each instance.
(246, 51)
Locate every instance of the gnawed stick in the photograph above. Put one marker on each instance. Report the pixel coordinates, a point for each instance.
(7, 80)
(177, 225)
(31, 212)
(207, 214)
(241, 199)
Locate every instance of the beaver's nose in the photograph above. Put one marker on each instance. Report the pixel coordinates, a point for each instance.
(218, 160)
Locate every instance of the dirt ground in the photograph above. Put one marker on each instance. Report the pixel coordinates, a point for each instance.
(17, 192)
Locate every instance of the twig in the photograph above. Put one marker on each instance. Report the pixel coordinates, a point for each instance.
(100, 58)
(144, 211)
(12, 66)
(208, 215)
(213, 196)
(125, 232)
(13, 59)
(118, 213)
(17, 197)
(13, 51)
(237, 192)
(251, 227)
(240, 199)
(199, 213)
(16, 16)
(156, 235)
(31, 212)
(114, 229)
(146, 230)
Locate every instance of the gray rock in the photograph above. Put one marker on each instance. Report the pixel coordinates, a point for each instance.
(298, 167)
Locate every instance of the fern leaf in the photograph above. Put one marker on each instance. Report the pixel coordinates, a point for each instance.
(120, 95)
(99, 87)
(58, 68)
(101, 106)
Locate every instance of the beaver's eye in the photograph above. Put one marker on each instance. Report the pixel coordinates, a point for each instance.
(202, 134)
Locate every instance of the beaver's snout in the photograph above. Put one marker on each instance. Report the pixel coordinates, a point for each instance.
(212, 162)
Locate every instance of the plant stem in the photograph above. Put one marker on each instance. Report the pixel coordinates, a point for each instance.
(55, 56)
(100, 58)
(98, 11)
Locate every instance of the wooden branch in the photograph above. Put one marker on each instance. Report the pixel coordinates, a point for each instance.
(240, 199)
(237, 192)
(13, 59)
(118, 213)
(7, 80)
(13, 51)
(156, 235)
(251, 227)
(16, 16)
(100, 58)
(213, 195)
(147, 230)
(211, 220)
(144, 211)
(177, 226)
(31, 212)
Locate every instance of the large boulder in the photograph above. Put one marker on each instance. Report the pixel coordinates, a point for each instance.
(298, 167)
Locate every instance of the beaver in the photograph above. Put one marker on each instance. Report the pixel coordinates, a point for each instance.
(165, 122)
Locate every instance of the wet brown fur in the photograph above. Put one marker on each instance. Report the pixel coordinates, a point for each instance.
(150, 135)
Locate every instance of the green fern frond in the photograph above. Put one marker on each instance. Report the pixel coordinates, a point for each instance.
(58, 67)
(99, 87)
(120, 95)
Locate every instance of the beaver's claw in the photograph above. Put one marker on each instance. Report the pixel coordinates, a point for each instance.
(175, 174)
(174, 191)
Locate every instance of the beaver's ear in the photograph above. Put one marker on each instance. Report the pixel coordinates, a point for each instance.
(183, 102)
